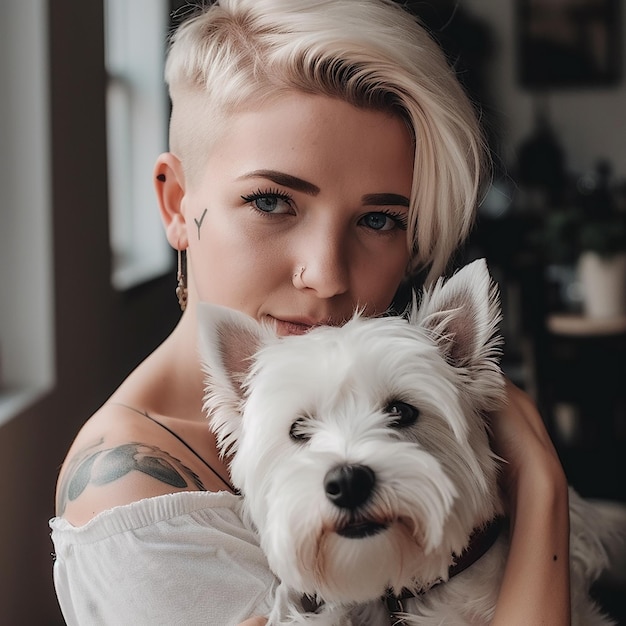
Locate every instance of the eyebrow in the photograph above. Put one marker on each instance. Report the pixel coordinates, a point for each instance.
(285, 180)
(379, 199)
(298, 184)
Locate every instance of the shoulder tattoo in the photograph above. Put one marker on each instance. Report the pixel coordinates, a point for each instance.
(102, 467)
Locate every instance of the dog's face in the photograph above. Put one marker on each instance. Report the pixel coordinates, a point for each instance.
(361, 451)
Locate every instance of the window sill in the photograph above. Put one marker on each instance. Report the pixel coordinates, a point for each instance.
(14, 401)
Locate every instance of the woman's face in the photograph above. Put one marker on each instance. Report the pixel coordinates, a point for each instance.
(303, 182)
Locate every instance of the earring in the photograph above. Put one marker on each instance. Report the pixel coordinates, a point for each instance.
(181, 278)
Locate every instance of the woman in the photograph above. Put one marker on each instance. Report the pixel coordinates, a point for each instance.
(322, 154)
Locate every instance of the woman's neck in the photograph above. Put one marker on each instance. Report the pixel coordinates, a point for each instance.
(170, 381)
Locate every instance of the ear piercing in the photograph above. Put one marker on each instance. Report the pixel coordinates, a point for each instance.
(161, 177)
(181, 280)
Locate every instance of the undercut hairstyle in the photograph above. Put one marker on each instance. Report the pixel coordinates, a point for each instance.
(237, 55)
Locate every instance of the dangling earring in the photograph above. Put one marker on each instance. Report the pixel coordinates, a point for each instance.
(181, 277)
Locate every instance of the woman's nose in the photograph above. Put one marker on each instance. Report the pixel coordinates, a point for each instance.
(324, 267)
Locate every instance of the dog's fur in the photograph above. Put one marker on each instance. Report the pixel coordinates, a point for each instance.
(290, 410)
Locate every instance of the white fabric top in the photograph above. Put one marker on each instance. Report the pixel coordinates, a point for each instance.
(185, 558)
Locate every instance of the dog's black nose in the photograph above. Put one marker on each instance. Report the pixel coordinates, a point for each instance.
(349, 486)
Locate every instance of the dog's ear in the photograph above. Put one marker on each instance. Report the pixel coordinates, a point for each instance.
(462, 315)
(227, 341)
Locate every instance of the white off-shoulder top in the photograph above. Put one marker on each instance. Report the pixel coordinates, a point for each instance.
(185, 558)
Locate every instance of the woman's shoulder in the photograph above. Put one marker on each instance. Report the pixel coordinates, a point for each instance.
(124, 454)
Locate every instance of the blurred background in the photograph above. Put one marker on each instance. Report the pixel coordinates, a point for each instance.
(87, 280)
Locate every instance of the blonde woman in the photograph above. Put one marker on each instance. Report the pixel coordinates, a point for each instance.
(322, 155)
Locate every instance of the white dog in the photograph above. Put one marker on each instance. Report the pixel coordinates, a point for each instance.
(363, 456)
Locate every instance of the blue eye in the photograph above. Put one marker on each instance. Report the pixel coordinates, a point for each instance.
(383, 220)
(270, 201)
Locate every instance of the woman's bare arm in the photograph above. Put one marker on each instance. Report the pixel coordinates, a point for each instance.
(535, 588)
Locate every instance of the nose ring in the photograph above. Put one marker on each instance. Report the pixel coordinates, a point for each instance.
(298, 281)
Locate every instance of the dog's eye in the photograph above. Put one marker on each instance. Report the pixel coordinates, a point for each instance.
(402, 414)
(299, 432)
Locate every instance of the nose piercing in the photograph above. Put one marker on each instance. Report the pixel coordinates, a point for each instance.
(297, 278)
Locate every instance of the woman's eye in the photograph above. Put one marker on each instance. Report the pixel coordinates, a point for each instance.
(402, 414)
(273, 202)
(384, 221)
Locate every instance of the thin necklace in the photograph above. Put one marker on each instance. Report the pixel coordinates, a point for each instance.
(169, 430)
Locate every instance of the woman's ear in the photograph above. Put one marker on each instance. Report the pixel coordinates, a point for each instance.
(169, 183)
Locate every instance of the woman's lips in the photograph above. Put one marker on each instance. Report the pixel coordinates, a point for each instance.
(286, 327)
(300, 326)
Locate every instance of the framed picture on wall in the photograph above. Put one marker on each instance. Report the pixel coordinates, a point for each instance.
(568, 43)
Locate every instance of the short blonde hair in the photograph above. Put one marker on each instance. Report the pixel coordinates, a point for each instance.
(237, 54)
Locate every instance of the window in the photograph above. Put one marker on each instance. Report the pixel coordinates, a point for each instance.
(137, 115)
(26, 304)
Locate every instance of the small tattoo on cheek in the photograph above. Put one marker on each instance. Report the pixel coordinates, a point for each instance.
(199, 222)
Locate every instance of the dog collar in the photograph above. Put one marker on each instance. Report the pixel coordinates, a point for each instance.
(480, 541)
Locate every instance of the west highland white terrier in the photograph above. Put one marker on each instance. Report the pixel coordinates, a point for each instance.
(362, 454)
